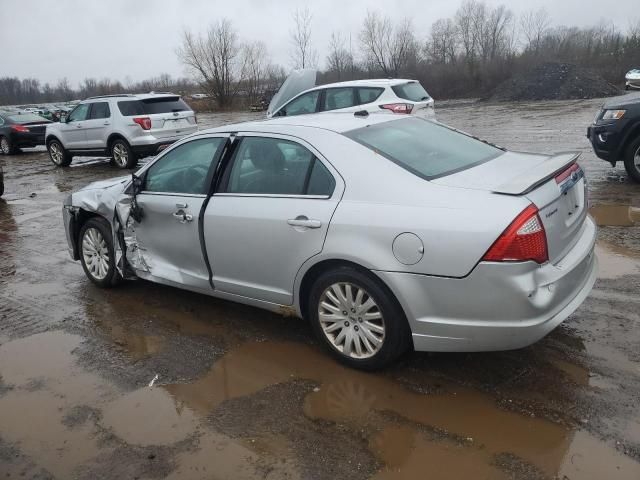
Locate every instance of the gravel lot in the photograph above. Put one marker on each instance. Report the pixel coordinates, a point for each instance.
(242, 393)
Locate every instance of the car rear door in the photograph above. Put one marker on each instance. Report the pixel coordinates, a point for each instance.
(97, 125)
(270, 215)
(167, 239)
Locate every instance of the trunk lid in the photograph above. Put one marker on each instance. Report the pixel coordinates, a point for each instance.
(169, 114)
(555, 184)
(298, 81)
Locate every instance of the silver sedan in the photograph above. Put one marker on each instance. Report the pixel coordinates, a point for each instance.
(386, 232)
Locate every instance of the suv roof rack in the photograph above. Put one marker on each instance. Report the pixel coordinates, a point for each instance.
(111, 96)
(153, 92)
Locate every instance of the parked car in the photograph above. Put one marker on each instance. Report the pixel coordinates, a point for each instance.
(632, 79)
(125, 127)
(297, 97)
(371, 227)
(615, 133)
(21, 130)
(198, 96)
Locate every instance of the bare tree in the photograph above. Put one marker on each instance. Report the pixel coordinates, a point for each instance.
(339, 59)
(212, 59)
(387, 48)
(535, 25)
(442, 45)
(255, 63)
(302, 53)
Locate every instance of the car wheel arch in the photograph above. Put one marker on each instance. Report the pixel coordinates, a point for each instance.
(81, 217)
(312, 272)
(113, 137)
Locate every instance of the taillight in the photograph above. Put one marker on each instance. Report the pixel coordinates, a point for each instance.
(19, 128)
(525, 239)
(398, 107)
(144, 122)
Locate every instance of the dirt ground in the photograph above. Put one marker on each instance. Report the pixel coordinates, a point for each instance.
(242, 394)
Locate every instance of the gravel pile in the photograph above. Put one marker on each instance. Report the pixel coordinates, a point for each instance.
(554, 81)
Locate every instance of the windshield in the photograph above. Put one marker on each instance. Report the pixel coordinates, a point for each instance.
(26, 118)
(150, 106)
(426, 149)
(411, 91)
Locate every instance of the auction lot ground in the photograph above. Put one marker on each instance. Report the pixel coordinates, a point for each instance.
(242, 393)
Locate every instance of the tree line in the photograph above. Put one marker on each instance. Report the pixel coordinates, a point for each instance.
(465, 55)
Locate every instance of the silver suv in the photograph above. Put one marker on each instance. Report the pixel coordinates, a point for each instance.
(124, 127)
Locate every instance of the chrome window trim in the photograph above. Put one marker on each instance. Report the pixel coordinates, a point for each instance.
(271, 195)
(173, 194)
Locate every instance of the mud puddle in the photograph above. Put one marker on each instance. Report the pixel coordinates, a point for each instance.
(615, 259)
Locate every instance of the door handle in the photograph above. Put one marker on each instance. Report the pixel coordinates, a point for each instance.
(181, 205)
(182, 216)
(107, 123)
(302, 221)
(79, 125)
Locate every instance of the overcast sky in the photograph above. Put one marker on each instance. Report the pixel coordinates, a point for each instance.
(137, 39)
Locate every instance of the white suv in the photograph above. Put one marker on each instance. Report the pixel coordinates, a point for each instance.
(296, 97)
(125, 127)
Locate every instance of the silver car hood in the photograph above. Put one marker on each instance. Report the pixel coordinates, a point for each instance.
(102, 184)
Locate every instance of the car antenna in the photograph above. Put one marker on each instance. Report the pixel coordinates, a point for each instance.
(361, 113)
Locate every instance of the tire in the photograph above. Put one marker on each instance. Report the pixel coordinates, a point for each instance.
(390, 328)
(1, 182)
(6, 148)
(122, 155)
(632, 160)
(58, 154)
(97, 254)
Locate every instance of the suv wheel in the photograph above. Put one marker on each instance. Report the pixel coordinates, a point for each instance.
(632, 160)
(358, 319)
(123, 156)
(58, 155)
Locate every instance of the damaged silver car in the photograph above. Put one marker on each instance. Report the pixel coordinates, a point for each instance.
(385, 232)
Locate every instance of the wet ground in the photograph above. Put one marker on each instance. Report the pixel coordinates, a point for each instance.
(145, 381)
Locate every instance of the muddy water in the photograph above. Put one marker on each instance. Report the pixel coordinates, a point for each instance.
(242, 393)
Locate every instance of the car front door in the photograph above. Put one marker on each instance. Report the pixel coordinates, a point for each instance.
(270, 214)
(97, 124)
(174, 189)
(305, 103)
(74, 135)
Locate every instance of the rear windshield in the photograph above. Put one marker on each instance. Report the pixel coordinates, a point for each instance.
(411, 91)
(424, 148)
(150, 106)
(26, 118)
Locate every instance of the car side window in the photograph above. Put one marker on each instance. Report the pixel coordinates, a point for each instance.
(273, 166)
(306, 103)
(185, 168)
(369, 94)
(99, 110)
(336, 98)
(79, 113)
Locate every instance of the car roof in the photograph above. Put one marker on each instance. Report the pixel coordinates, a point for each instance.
(374, 82)
(135, 96)
(335, 122)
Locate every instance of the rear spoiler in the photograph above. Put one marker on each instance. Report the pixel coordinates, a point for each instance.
(535, 177)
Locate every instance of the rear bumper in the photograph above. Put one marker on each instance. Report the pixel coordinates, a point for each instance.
(498, 306)
(151, 149)
(146, 145)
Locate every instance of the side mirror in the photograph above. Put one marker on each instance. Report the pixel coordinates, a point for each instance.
(137, 183)
(63, 118)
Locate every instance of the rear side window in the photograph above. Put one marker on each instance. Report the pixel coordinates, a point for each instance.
(99, 110)
(424, 148)
(149, 106)
(26, 118)
(369, 94)
(335, 98)
(411, 91)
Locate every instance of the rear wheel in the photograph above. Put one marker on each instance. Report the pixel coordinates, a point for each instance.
(58, 154)
(357, 318)
(6, 147)
(123, 156)
(97, 254)
(632, 160)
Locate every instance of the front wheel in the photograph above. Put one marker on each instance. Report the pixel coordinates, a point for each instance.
(97, 254)
(58, 154)
(632, 160)
(358, 319)
(122, 154)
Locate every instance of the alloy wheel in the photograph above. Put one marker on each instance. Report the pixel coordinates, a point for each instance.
(95, 253)
(4, 146)
(120, 154)
(55, 150)
(351, 320)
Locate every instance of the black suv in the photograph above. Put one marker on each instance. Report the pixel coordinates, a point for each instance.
(615, 133)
